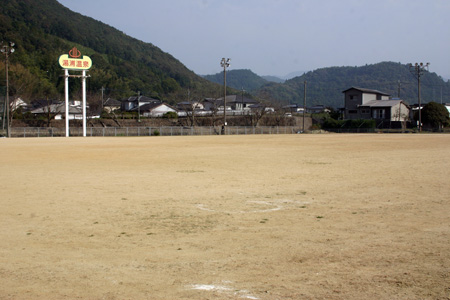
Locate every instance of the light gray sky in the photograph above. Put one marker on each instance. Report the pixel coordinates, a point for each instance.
(277, 37)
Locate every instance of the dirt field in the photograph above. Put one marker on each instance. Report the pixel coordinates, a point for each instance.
(226, 217)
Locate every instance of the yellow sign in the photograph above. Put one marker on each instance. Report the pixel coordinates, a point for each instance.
(74, 61)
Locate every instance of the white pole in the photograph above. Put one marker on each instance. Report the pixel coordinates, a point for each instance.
(66, 84)
(84, 102)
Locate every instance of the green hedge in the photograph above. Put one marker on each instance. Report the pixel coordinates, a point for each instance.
(330, 123)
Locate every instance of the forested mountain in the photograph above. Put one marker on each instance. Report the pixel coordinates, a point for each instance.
(325, 86)
(239, 79)
(273, 79)
(44, 29)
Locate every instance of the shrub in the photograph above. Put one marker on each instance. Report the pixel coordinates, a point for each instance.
(330, 123)
(170, 115)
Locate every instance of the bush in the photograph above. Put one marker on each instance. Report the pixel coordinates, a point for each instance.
(435, 115)
(170, 115)
(330, 123)
(156, 133)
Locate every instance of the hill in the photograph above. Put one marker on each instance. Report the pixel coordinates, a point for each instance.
(271, 78)
(45, 29)
(239, 79)
(325, 86)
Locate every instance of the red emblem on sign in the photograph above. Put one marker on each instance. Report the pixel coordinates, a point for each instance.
(74, 52)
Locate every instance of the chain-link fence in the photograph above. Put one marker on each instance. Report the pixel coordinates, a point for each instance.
(148, 131)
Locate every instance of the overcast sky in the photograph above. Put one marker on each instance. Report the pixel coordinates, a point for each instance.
(277, 37)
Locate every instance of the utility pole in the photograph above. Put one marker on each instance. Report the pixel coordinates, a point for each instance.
(418, 70)
(304, 105)
(139, 106)
(7, 50)
(242, 100)
(191, 106)
(102, 89)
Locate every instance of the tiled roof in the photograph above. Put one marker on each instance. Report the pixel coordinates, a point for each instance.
(367, 91)
(382, 103)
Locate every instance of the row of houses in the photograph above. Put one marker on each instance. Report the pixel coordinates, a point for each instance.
(359, 103)
(149, 107)
(144, 106)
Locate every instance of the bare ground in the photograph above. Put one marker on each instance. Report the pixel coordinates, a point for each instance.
(226, 217)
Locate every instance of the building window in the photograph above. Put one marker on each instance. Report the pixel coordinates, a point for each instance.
(379, 113)
(352, 111)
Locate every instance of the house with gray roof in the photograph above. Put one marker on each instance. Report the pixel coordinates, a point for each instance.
(361, 103)
(155, 109)
(133, 102)
(111, 105)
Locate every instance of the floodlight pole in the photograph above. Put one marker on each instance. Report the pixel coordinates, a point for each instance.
(7, 50)
(225, 63)
(304, 106)
(418, 70)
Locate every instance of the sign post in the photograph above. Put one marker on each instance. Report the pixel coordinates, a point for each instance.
(75, 62)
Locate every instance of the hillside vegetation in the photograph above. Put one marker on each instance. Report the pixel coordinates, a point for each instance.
(239, 79)
(45, 29)
(325, 86)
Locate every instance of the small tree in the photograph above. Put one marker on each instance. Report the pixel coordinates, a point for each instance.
(435, 115)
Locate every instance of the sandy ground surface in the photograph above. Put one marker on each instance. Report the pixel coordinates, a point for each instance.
(226, 217)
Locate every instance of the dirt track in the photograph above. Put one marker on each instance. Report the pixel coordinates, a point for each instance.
(226, 217)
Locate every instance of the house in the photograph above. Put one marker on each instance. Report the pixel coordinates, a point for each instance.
(293, 108)
(190, 106)
(111, 105)
(447, 106)
(235, 103)
(258, 107)
(58, 111)
(240, 103)
(133, 102)
(18, 103)
(318, 109)
(355, 97)
(394, 110)
(212, 104)
(155, 109)
(35, 104)
(375, 105)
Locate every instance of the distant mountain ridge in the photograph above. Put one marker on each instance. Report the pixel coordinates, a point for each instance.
(124, 66)
(325, 85)
(271, 78)
(239, 79)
